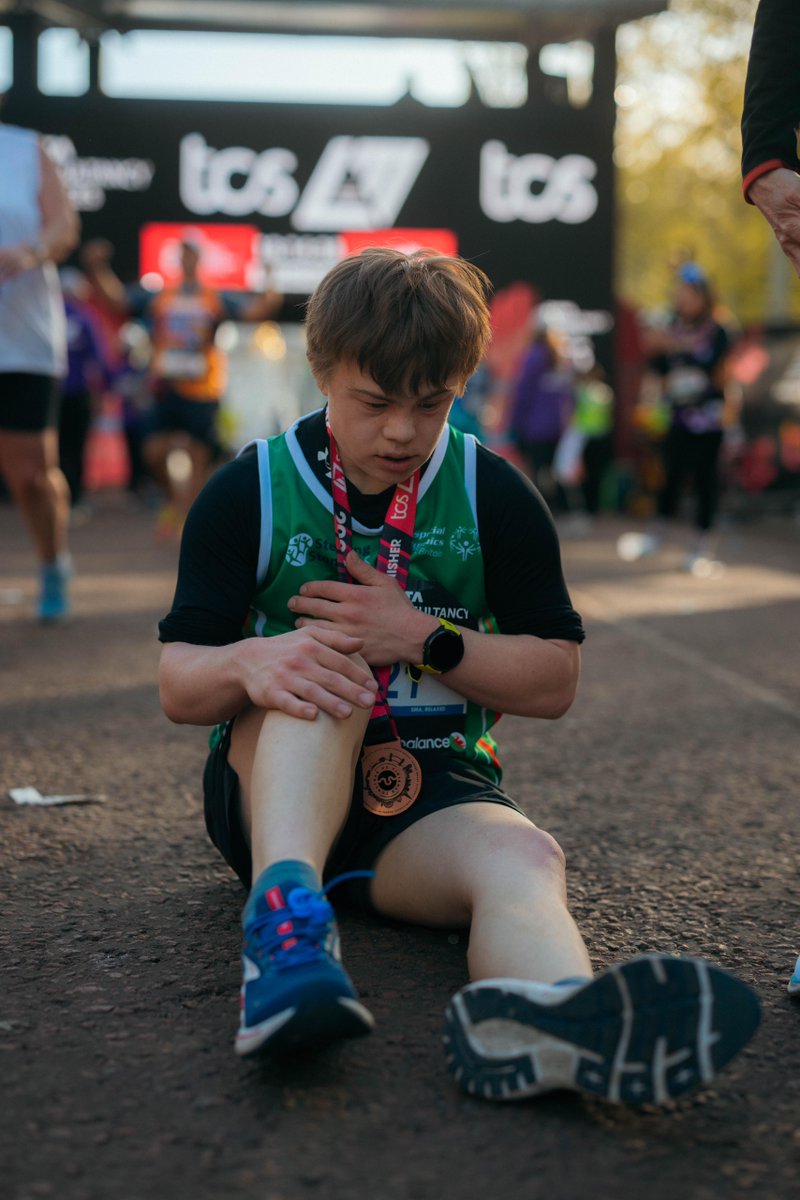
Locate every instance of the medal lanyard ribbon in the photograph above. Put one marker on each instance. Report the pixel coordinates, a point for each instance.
(394, 554)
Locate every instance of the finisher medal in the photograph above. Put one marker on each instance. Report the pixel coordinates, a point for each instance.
(392, 778)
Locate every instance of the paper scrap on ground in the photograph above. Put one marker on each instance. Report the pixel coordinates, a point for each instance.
(32, 795)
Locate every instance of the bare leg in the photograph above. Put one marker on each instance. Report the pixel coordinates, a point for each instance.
(154, 454)
(488, 867)
(296, 782)
(29, 462)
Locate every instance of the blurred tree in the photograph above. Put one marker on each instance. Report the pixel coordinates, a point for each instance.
(680, 88)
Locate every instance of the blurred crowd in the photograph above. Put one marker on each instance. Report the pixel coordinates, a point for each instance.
(135, 384)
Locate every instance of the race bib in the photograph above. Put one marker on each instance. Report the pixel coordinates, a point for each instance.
(181, 364)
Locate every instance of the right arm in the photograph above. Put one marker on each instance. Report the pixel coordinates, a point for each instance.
(59, 227)
(208, 673)
(300, 673)
(95, 258)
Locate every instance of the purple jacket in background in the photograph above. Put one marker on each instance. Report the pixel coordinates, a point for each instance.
(544, 398)
(86, 365)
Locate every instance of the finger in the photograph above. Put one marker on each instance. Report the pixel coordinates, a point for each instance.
(349, 691)
(325, 589)
(294, 706)
(328, 635)
(344, 667)
(317, 695)
(314, 607)
(362, 571)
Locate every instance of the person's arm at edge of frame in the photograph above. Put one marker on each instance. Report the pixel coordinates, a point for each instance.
(771, 113)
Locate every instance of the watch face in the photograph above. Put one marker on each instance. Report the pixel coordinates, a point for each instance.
(444, 649)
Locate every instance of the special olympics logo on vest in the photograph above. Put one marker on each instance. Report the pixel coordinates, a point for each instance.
(298, 548)
(465, 542)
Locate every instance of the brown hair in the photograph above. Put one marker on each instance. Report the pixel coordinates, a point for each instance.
(409, 320)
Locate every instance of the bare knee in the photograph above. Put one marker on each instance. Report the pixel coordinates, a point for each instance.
(525, 859)
(540, 851)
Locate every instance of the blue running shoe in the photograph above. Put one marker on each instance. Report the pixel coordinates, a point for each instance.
(644, 1032)
(793, 986)
(295, 991)
(54, 603)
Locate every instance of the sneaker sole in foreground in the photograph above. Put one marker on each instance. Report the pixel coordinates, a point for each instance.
(644, 1032)
(308, 1027)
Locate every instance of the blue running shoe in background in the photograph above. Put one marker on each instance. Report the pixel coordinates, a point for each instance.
(54, 603)
(295, 991)
(793, 986)
(644, 1032)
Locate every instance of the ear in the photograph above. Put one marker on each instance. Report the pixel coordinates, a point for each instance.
(320, 380)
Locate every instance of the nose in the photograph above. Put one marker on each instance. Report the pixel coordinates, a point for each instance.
(399, 428)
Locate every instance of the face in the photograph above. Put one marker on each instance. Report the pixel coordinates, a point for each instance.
(689, 302)
(190, 260)
(382, 439)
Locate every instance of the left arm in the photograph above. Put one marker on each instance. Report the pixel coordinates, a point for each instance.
(263, 307)
(513, 673)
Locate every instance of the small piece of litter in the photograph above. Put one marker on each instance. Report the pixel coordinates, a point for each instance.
(32, 795)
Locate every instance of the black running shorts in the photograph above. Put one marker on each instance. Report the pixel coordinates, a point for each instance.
(28, 403)
(364, 835)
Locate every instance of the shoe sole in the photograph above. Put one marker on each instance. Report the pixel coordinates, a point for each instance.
(309, 1027)
(644, 1032)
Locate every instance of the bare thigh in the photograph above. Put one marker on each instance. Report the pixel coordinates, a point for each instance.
(433, 872)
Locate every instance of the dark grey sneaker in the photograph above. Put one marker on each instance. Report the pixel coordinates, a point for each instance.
(643, 1032)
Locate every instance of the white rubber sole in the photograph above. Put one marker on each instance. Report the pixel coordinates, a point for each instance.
(313, 1025)
(643, 1032)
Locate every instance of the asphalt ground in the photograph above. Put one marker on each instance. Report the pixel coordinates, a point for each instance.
(671, 784)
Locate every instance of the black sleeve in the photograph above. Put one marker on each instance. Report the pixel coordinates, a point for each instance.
(219, 558)
(524, 581)
(772, 89)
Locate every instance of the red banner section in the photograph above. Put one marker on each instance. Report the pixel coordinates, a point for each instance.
(232, 257)
(408, 240)
(229, 254)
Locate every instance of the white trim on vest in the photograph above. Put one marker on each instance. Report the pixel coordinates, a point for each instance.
(265, 543)
(470, 472)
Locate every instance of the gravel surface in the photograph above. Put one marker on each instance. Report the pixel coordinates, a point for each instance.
(671, 785)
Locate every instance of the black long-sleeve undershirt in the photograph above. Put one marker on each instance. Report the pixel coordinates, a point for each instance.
(524, 580)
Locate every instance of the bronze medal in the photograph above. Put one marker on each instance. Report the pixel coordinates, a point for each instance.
(392, 778)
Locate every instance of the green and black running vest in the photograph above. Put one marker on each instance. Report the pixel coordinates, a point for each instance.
(446, 578)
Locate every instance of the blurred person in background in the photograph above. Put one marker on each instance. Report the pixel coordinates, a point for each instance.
(87, 376)
(594, 417)
(542, 402)
(770, 159)
(585, 451)
(188, 370)
(689, 354)
(38, 228)
(122, 351)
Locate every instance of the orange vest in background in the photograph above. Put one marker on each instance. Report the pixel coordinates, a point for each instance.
(184, 355)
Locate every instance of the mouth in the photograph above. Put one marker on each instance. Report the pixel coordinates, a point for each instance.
(396, 462)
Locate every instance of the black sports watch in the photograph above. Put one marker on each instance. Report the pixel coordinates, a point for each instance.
(443, 650)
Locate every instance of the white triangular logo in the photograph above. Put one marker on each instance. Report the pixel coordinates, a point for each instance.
(360, 183)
